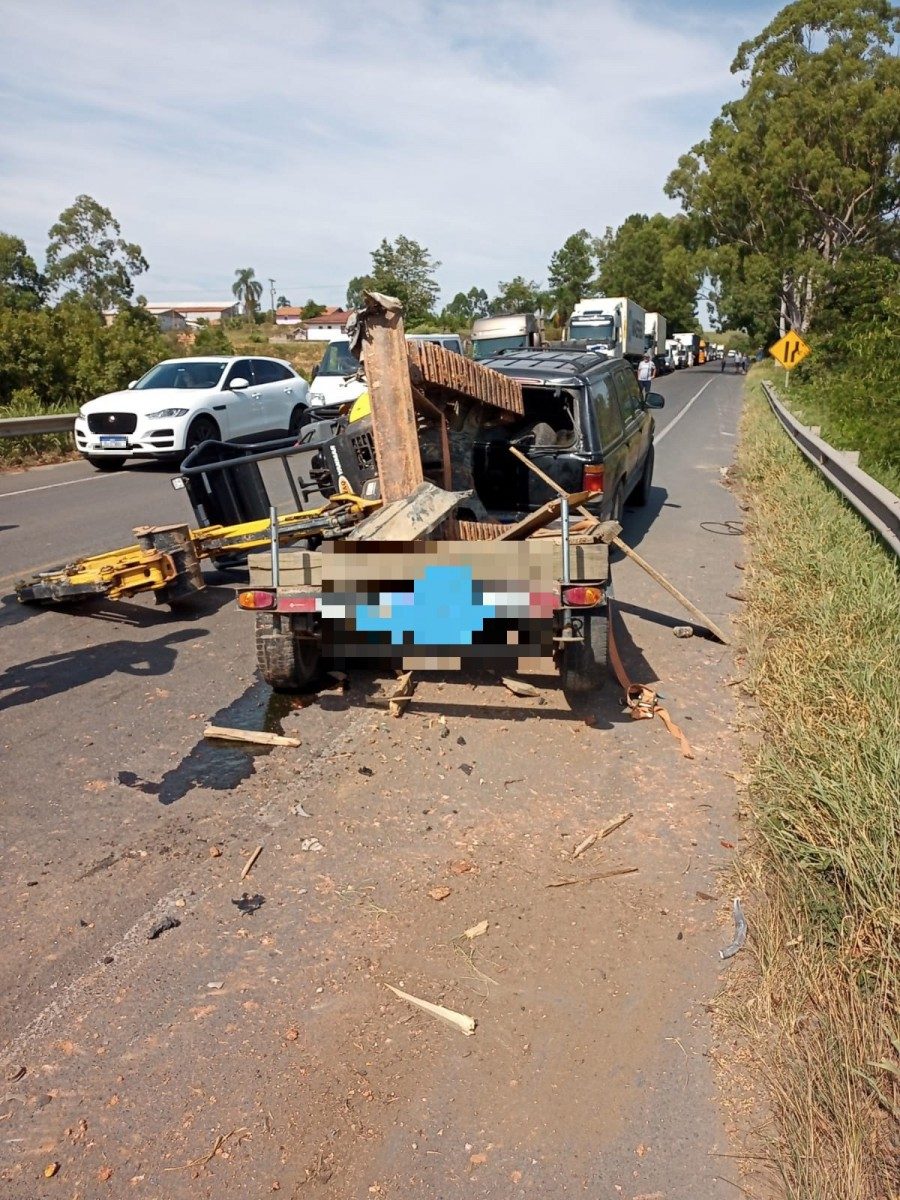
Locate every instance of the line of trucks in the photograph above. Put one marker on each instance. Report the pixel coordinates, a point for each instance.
(612, 325)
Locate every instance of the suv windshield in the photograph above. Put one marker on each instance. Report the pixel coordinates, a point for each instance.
(196, 375)
(601, 329)
(485, 347)
(337, 360)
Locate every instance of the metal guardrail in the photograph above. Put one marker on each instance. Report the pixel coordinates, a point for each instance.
(874, 503)
(28, 426)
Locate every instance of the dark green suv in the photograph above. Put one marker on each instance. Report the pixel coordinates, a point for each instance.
(585, 425)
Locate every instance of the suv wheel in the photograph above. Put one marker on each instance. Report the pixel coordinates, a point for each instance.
(204, 429)
(641, 493)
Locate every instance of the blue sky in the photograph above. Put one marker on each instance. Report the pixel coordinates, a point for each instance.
(293, 136)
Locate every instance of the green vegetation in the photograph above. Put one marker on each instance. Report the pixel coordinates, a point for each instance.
(247, 290)
(650, 259)
(89, 260)
(403, 269)
(820, 1005)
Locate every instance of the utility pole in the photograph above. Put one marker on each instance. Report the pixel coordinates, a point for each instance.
(272, 295)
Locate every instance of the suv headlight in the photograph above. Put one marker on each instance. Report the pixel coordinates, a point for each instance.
(82, 412)
(167, 412)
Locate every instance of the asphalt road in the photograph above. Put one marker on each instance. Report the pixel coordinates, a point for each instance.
(112, 800)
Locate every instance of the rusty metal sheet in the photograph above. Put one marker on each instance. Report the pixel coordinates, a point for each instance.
(461, 376)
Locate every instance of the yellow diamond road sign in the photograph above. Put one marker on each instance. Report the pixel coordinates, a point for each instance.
(790, 350)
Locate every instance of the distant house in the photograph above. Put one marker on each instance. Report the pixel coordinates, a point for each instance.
(195, 311)
(171, 321)
(330, 324)
(288, 315)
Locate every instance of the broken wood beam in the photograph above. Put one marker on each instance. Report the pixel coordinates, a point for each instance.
(390, 392)
(223, 733)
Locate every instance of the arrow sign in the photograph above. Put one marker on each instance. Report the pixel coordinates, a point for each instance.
(790, 351)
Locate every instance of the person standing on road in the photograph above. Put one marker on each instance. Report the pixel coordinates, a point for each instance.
(722, 367)
(646, 373)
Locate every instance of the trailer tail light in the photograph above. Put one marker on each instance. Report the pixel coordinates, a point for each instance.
(582, 597)
(256, 600)
(593, 480)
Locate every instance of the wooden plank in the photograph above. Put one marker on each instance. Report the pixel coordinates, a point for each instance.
(223, 733)
(540, 518)
(386, 361)
(415, 516)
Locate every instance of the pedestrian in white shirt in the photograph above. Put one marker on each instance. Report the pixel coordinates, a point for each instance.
(646, 373)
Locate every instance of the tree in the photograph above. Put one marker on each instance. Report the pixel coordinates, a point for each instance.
(464, 308)
(403, 269)
(282, 302)
(87, 256)
(518, 295)
(649, 260)
(247, 290)
(21, 285)
(211, 339)
(311, 309)
(571, 271)
(804, 166)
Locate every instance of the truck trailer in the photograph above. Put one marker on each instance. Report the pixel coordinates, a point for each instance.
(492, 335)
(655, 333)
(613, 325)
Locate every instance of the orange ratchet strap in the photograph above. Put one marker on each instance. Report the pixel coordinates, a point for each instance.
(643, 702)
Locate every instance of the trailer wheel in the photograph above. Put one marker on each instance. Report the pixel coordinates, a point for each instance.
(287, 653)
(584, 664)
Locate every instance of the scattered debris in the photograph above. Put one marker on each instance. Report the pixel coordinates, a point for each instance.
(219, 1143)
(740, 931)
(297, 810)
(216, 986)
(160, 926)
(292, 1034)
(15, 1073)
(215, 852)
(104, 1174)
(439, 893)
(367, 771)
(249, 904)
(50, 1170)
(462, 867)
(683, 631)
(476, 930)
(705, 896)
(311, 844)
(222, 733)
(248, 865)
(736, 596)
(594, 837)
(465, 1024)
(518, 687)
(401, 694)
(591, 878)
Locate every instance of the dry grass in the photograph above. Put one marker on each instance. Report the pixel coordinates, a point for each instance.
(821, 1007)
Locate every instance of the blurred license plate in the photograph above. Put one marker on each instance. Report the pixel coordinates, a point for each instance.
(108, 442)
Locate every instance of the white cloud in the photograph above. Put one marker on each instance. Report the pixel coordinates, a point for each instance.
(294, 136)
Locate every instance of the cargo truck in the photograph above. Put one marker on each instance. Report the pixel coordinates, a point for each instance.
(689, 348)
(655, 333)
(612, 325)
(493, 335)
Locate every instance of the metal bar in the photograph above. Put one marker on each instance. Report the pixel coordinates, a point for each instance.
(566, 548)
(292, 484)
(874, 503)
(288, 449)
(273, 546)
(28, 426)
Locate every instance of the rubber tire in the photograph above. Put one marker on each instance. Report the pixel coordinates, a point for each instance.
(641, 494)
(299, 418)
(287, 661)
(584, 664)
(206, 425)
(106, 464)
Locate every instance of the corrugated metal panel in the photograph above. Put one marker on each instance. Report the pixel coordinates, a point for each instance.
(452, 372)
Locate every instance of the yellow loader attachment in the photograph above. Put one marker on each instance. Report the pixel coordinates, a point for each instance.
(166, 559)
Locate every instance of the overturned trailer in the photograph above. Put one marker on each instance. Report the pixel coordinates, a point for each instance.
(433, 578)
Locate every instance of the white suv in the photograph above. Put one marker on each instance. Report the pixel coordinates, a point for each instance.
(182, 402)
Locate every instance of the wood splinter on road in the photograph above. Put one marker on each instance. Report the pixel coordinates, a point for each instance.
(460, 1021)
(248, 865)
(224, 733)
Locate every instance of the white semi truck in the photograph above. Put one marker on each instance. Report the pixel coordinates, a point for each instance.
(490, 335)
(613, 325)
(689, 347)
(655, 333)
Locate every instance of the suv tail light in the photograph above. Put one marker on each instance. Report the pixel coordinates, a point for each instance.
(593, 479)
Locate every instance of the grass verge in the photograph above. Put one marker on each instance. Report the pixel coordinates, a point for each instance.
(38, 448)
(820, 1004)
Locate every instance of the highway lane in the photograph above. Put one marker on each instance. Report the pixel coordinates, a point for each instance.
(111, 798)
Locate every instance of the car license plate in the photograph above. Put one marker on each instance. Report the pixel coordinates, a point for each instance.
(109, 442)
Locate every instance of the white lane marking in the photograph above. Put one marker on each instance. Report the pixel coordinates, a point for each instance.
(671, 425)
(65, 483)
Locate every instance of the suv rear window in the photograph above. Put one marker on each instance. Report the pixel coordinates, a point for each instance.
(609, 418)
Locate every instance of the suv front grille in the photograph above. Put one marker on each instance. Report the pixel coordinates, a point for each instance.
(112, 422)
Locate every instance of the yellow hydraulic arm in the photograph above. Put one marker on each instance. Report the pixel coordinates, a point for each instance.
(166, 559)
